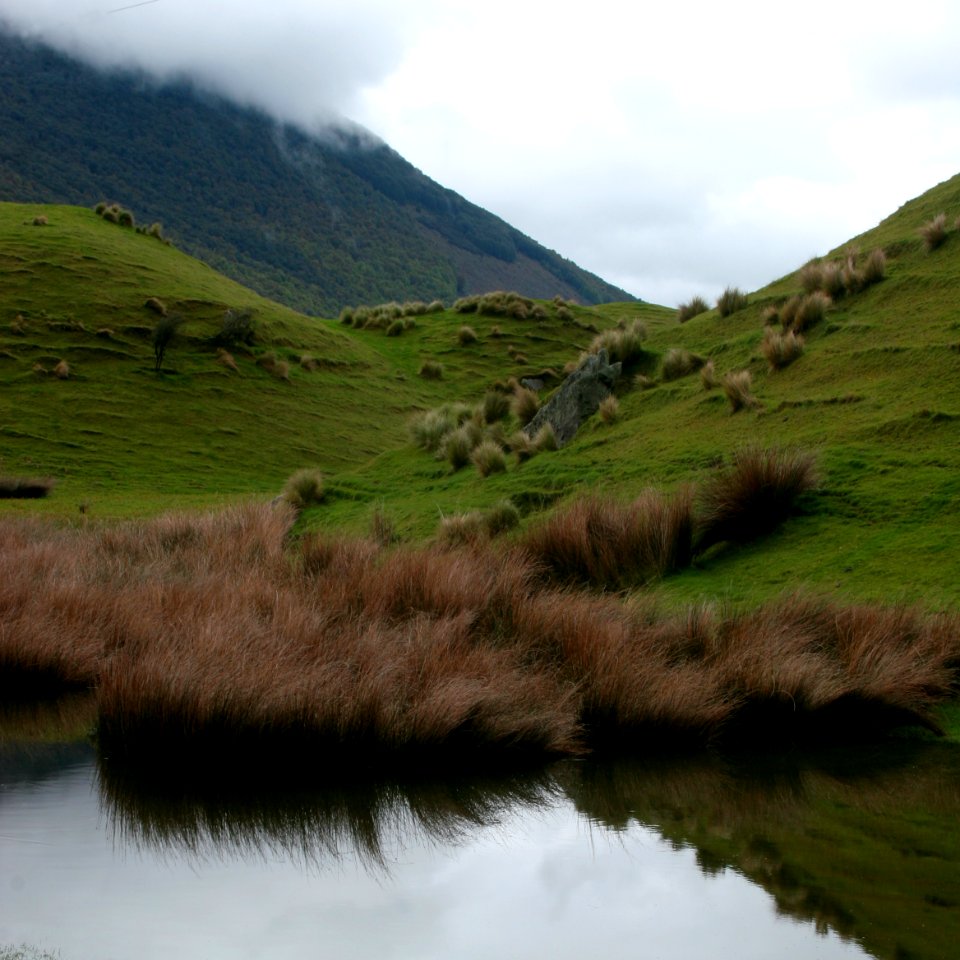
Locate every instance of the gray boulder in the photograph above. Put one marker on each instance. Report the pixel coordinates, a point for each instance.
(578, 398)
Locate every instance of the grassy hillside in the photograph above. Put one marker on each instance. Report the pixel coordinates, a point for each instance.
(874, 394)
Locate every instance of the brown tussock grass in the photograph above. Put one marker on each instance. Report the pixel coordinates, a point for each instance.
(219, 638)
(933, 232)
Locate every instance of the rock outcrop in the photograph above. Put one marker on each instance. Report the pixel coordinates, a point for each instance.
(578, 398)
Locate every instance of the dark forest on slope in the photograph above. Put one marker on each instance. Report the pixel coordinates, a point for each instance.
(315, 223)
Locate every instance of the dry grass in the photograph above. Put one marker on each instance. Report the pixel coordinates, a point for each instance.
(488, 457)
(62, 370)
(214, 639)
(802, 312)
(623, 345)
(678, 363)
(708, 376)
(730, 301)
(305, 488)
(466, 335)
(525, 404)
(431, 370)
(605, 543)
(754, 495)
(934, 232)
(609, 409)
(780, 349)
(692, 308)
(736, 387)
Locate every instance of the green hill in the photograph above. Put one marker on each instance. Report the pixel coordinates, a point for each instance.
(874, 394)
(314, 223)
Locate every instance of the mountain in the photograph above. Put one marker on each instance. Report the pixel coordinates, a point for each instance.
(316, 223)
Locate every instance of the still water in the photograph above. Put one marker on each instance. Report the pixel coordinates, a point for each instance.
(799, 858)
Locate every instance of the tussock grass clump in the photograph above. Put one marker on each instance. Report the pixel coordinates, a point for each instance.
(874, 268)
(459, 444)
(752, 496)
(466, 336)
(309, 363)
(479, 525)
(347, 316)
(623, 345)
(605, 543)
(488, 457)
(305, 488)
(225, 359)
(62, 370)
(609, 409)
(522, 446)
(692, 308)
(770, 316)
(736, 387)
(156, 305)
(525, 404)
(495, 406)
(383, 531)
(395, 328)
(237, 329)
(217, 640)
(428, 429)
(431, 370)
(730, 301)
(708, 376)
(800, 313)
(21, 488)
(780, 348)
(40, 221)
(678, 363)
(280, 369)
(933, 232)
(643, 382)
(545, 439)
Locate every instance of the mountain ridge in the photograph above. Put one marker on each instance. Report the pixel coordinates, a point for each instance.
(317, 223)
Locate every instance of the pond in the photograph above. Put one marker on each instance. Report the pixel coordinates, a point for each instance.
(805, 856)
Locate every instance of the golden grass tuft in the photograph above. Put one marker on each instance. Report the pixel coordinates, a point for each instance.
(780, 348)
(609, 409)
(736, 387)
(934, 232)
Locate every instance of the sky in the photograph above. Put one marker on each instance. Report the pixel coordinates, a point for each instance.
(673, 149)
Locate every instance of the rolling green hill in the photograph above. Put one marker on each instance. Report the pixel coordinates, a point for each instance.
(874, 394)
(314, 223)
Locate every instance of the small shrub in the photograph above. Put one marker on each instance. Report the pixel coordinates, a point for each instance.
(730, 301)
(708, 376)
(753, 496)
(304, 488)
(678, 362)
(466, 336)
(395, 328)
(609, 409)
(525, 404)
(161, 337)
(692, 308)
(934, 232)
(780, 348)
(489, 458)
(431, 370)
(736, 386)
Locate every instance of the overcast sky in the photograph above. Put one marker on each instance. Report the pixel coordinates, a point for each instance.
(672, 148)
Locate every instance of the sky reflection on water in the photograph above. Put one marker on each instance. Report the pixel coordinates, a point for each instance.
(544, 880)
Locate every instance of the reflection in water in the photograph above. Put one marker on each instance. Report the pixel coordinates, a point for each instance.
(864, 845)
(309, 824)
